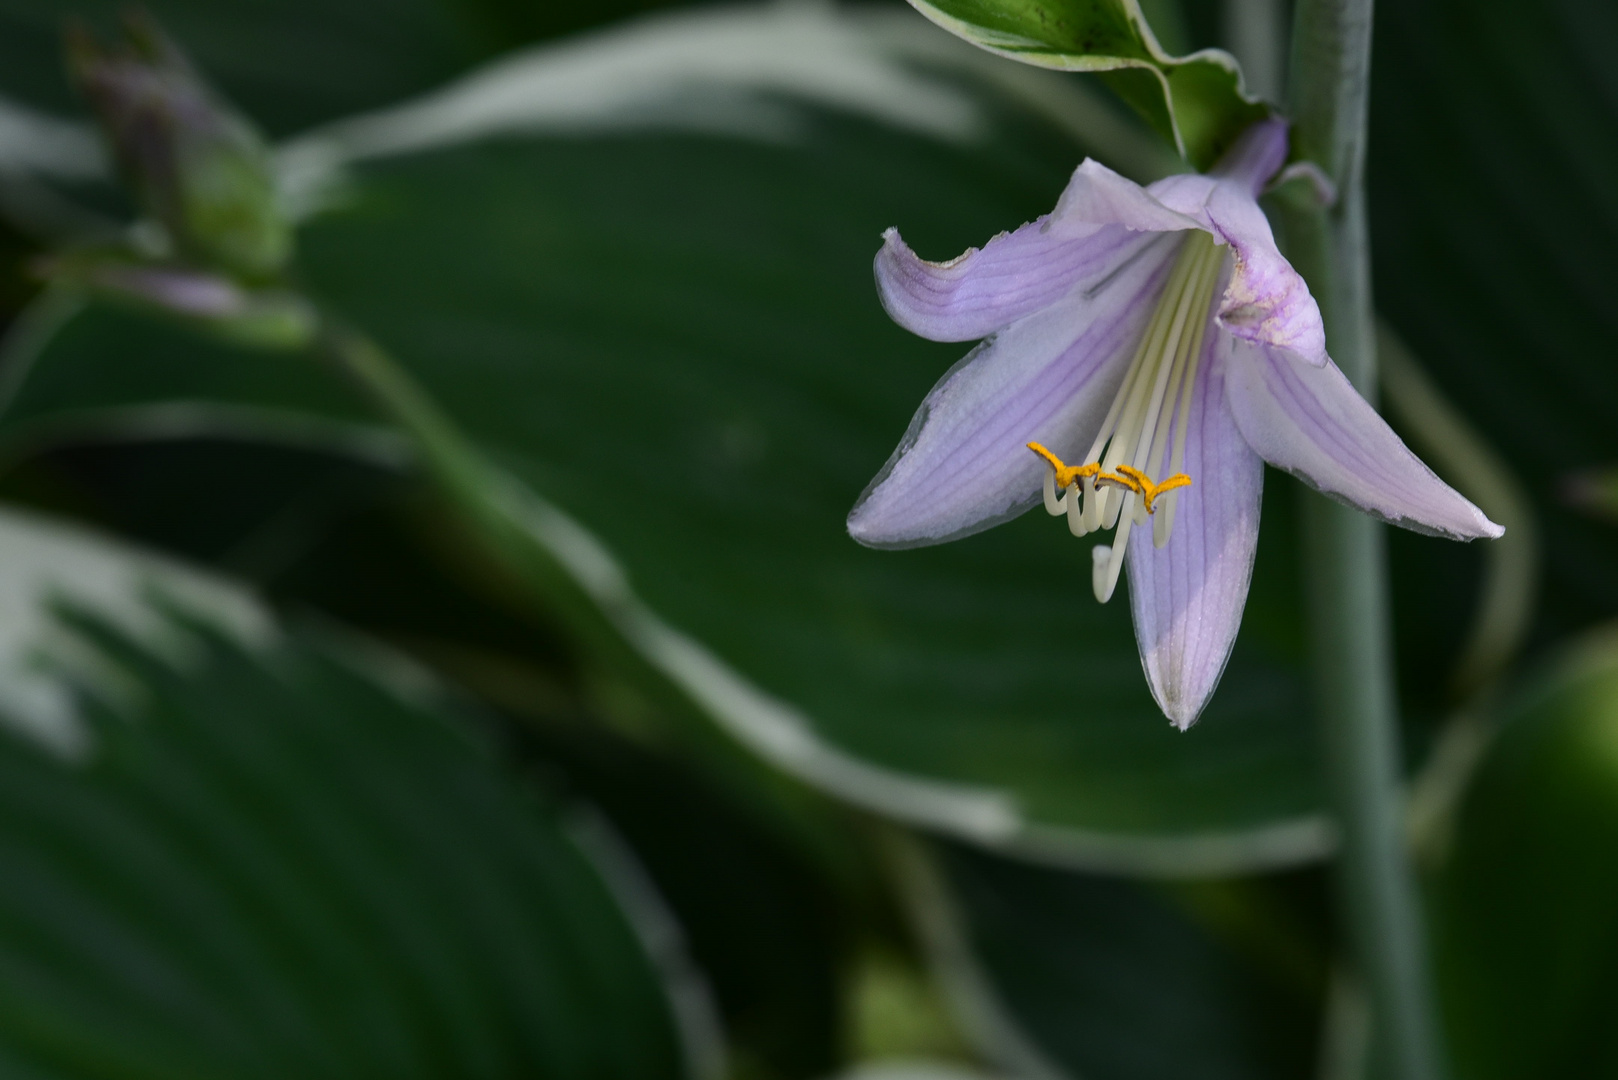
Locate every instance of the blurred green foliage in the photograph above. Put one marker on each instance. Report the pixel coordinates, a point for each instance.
(266, 862)
(1492, 218)
(290, 64)
(1524, 905)
(671, 334)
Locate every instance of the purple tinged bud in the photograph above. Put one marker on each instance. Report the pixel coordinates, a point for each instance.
(258, 317)
(181, 292)
(196, 166)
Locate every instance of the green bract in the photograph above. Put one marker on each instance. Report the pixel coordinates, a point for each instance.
(1196, 101)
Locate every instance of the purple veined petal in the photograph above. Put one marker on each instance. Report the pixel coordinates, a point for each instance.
(1095, 228)
(1186, 194)
(1267, 302)
(1098, 196)
(1311, 422)
(1012, 276)
(964, 464)
(1187, 596)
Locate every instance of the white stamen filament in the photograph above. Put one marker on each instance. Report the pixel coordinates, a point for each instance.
(1153, 399)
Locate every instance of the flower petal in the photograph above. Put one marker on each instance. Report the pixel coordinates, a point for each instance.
(1098, 196)
(1266, 302)
(964, 465)
(1014, 275)
(1097, 227)
(1187, 596)
(1311, 422)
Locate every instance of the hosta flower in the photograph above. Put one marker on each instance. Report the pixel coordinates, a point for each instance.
(1145, 351)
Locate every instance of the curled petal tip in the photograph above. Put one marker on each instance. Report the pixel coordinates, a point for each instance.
(984, 290)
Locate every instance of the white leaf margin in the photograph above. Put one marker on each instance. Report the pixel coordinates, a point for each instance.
(735, 71)
(43, 563)
(35, 143)
(1026, 51)
(740, 71)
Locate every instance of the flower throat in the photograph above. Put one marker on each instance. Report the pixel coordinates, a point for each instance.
(1124, 481)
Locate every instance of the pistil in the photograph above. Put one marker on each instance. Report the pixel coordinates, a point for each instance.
(1115, 487)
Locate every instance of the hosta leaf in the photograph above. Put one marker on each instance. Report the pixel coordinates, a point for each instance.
(1059, 974)
(261, 852)
(752, 893)
(1196, 101)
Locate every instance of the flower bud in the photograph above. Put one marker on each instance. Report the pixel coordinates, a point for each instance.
(196, 166)
(263, 318)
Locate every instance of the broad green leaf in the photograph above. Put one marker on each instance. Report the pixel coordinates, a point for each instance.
(764, 927)
(1197, 102)
(758, 902)
(265, 852)
(1061, 974)
(671, 342)
(1523, 907)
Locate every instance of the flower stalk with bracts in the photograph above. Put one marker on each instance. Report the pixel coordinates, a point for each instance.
(1145, 351)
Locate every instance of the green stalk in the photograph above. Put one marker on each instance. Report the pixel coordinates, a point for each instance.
(1345, 564)
(543, 553)
(511, 526)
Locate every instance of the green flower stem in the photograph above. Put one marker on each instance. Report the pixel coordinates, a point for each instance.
(547, 556)
(1254, 32)
(509, 524)
(1345, 561)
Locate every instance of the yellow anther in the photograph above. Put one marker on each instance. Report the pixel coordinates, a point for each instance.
(1128, 483)
(1066, 475)
(1141, 484)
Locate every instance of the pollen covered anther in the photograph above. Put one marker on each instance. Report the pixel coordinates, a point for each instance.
(1145, 428)
(1133, 479)
(1066, 475)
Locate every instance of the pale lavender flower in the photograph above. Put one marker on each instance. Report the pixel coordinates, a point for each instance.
(1146, 351)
